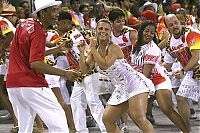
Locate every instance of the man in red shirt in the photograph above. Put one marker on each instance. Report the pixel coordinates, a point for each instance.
(27, 88)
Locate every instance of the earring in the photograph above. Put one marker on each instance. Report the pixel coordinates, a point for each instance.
(109, 40)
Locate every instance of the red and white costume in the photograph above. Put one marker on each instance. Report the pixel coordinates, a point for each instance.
(124, 42)
(70, 60)
(73, 55)
(150, 53)
(180, 49)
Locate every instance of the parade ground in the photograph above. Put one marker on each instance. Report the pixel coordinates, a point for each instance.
(162, 124)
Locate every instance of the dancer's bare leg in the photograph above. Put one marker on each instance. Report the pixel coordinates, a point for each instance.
(164, 98)
(40, 124)
(111, 113)
(184, 110)
(137, 111)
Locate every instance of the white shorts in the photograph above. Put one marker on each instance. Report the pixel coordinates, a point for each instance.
(189, 88)
(164, 85)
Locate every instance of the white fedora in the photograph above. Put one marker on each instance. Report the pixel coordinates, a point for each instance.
(42, 4)
(154, 5)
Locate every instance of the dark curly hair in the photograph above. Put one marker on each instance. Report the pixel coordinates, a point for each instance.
(140, 42)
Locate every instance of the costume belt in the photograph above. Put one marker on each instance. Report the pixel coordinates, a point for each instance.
(49, 62)
(106, 80)
(196, 73)
(82, 76)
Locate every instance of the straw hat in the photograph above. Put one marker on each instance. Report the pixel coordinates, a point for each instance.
(42, 4)
(8, 10)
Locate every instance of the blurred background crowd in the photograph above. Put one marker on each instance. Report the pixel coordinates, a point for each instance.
(91, 8)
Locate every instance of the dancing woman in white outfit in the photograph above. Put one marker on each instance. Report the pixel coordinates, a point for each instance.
(146, 58)
(131, 88)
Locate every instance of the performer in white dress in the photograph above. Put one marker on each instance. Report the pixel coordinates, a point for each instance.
(132, 88)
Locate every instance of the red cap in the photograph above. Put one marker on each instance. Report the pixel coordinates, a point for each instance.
(149, 15)
(133, 21)
(175, 6)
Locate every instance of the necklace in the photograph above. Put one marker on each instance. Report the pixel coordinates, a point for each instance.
(101, 47)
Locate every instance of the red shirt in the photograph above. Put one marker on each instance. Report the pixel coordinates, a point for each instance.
(28, 46)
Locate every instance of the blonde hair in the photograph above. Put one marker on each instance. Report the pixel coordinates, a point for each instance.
(105, 20)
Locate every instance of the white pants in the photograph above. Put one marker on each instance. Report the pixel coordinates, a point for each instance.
(52, 80)
(27, 102)
(85, 93)
(64, 90)
(63, 63)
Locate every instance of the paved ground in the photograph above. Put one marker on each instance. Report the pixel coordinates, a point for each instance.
(163, 125)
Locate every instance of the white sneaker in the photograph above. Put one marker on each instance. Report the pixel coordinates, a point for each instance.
(155, 103)
(6, 117)
(193, 116)
(124, 128)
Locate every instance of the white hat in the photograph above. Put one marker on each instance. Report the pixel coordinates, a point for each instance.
(42, 4)
(154, 5)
